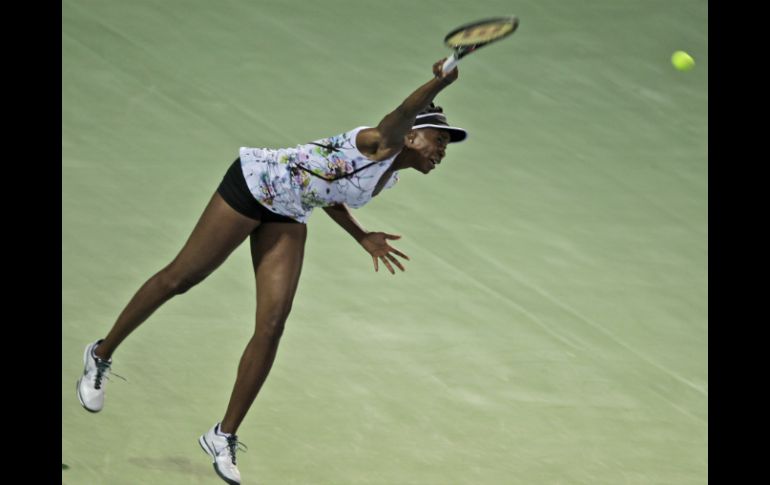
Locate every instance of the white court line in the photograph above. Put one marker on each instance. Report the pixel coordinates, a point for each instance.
(568, 341)
(597, 326)
(197, 86)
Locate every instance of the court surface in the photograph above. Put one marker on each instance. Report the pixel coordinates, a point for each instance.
(551, 327)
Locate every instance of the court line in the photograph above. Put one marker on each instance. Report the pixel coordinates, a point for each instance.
(572, 341)
(580, 317)
(596, 326)
(201, 87)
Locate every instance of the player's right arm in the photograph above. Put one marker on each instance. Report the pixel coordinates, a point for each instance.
(375, 243)
(388, 137)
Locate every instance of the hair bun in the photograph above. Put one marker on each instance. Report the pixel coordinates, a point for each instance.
(431, 108)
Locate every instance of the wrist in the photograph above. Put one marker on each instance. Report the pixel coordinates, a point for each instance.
(359, 235)
(443, 81)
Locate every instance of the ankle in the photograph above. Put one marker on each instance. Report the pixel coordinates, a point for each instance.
(100, 353)
(224, 430)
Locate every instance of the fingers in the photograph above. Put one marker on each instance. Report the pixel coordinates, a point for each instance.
(448, 77)
(396, 262)
(437, 67)
(381, 251)
(396, 251)
(387, 265)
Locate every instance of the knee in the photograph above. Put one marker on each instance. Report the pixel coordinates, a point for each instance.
(177, 282)
(272, 327)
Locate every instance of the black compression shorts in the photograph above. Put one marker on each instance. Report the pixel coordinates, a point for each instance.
(238, 196)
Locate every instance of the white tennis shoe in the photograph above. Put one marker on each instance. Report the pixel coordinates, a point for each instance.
(91, 383)
(221, 448)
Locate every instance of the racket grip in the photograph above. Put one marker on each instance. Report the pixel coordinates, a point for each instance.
(449, 64)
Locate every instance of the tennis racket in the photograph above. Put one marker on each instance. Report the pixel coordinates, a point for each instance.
(475, 35)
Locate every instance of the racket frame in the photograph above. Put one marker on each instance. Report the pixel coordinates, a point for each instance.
(458, 52)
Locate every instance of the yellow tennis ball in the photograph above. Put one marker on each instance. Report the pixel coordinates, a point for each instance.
(682, 61)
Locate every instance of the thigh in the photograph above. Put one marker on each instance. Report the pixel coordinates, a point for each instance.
(218, 232)
(277, 252)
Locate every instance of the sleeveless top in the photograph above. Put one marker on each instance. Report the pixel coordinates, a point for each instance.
(293, 181)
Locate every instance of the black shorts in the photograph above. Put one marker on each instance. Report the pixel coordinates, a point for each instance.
(238, 196)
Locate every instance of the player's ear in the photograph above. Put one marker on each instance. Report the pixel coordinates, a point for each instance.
(409, 138)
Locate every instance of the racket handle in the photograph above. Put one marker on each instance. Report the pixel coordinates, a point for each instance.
(450, 64)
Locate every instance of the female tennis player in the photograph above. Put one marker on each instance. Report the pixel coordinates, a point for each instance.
(267, 195)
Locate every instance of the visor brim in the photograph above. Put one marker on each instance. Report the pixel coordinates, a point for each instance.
(456, 135)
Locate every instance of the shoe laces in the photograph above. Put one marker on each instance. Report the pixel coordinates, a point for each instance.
(234, 445)
(102, 371)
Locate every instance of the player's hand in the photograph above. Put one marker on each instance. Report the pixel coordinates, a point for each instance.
(376, 244)
(449, 77)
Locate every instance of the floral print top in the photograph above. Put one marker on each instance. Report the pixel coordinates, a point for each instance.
(293, 181)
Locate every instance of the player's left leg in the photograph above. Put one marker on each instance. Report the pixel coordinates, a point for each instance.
(277, 251)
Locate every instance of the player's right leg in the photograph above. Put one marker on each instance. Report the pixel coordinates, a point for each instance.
(218, 232)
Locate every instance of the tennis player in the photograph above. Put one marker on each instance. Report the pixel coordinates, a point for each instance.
(267, 195)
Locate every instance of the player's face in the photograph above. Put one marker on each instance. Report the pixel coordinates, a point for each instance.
(430, 146)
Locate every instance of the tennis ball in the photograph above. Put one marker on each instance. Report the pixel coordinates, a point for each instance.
(682, 61)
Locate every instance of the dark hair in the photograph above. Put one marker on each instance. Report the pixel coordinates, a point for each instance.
(431, 108)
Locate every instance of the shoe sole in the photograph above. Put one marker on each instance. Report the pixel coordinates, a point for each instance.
(77, 391)
(77, 386)
(207, 450)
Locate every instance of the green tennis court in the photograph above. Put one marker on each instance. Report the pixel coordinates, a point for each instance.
(551, 327)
